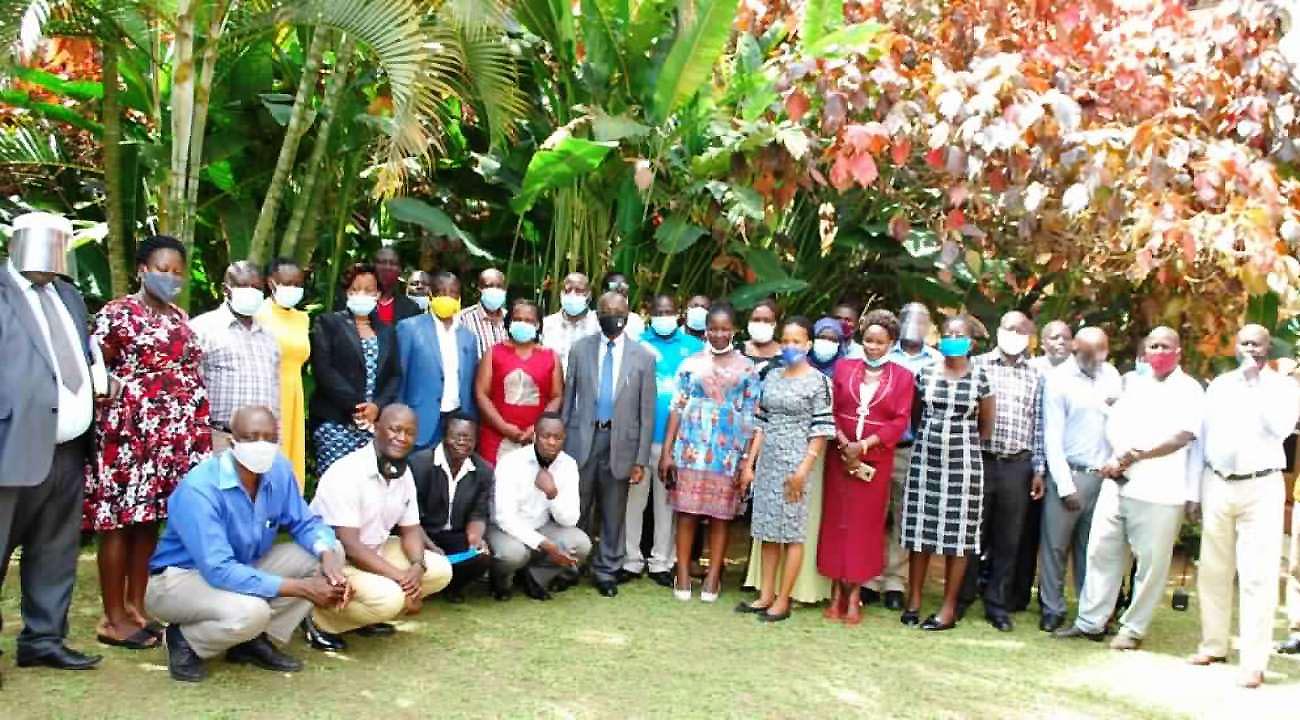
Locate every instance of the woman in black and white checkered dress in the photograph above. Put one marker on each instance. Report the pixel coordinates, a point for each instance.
(943, 496)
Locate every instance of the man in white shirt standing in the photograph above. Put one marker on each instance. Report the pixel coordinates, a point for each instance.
(574, 321)
(534, 533)
(1153, 474)
(1251, 411)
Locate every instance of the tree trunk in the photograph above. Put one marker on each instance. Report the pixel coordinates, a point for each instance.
(119, 264)
(202, 95)
(315, 163)
(257, 249)
(182, 111)
(341, 226)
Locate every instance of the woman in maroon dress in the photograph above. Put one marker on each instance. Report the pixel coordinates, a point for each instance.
(872, 404)
(147, 437)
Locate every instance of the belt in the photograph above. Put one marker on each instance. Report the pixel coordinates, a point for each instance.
(1085, 469)
(220, 426)
(604, 425)
(1008, 456)
(905, 445)
(1246, 476)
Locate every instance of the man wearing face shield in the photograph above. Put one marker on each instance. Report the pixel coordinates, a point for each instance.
(911, 352)
(241, 359)
(1076, 403)
(47, 406)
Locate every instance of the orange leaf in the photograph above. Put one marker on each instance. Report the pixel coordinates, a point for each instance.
(934, 158)
(956, 219)
(899, 151)
(864, 169)
(796, 105)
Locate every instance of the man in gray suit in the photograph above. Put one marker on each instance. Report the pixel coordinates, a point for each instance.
(609, 418)
(46, 407)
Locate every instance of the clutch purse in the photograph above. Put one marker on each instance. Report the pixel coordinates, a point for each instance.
(863, 472)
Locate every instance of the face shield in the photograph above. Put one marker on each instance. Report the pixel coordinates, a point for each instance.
(42, 242)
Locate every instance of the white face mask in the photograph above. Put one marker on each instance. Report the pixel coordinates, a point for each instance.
(761, 332)
(246, 301)
(1011, 342)
(362, 303)
(258, 456)
(288, 296)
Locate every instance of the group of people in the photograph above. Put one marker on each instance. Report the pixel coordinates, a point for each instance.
(455, 443)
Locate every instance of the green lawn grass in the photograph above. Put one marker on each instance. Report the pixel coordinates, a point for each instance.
(644, 654)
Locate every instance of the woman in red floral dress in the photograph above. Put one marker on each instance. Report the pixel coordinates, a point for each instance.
(147, 437)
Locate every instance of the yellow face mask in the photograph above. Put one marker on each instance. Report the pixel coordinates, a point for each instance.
(444, 307)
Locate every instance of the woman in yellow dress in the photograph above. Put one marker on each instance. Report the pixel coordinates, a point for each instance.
(285, 281)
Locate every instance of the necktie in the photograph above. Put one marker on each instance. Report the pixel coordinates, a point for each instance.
(64, 355)
(605, 396)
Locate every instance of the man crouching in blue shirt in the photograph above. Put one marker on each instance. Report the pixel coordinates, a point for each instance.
(219, 579)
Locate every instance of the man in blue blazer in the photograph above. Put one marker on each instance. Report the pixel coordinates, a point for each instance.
(439, 357)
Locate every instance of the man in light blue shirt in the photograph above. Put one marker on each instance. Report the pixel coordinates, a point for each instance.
(219, 579)
(912, 353)
(1076, 403)
(670, 345)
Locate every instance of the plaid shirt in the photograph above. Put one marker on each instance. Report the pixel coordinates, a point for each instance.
(241, 365)
(1018, 424)
(488, 331)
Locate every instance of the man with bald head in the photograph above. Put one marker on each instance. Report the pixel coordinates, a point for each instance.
(573, 322)
(486, 318)
(1250, 411)
(1076, 400)
(241, 359)
(1153, 474)
(219, 578)
(365, 496)
(1013, 467)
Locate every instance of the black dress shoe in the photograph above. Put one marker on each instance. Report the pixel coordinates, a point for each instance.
(1290, 647)
(532, 588)
(1001, 624)
(1051, 623)
(607, 589)
(894, 601)
(561, 583)
(321, 640)
(662, 579)
(932, 624)
(455, 597)
(60, 657)
(745, 608)
(260, 651)
(1074, 631)
(910, 618)
(626, 576)
(377, 630)
(182, 663)
(869, 596)
(768, 617)
(501, 594)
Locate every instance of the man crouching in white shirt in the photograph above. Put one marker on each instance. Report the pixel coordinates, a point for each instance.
(534, 535)
(1250, 411)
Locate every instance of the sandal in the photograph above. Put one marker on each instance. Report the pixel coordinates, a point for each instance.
(141, 639)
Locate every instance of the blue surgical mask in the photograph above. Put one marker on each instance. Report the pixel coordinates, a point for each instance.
(878, 362)
(825, 350)
(522, 332)
(793, 355)
(954, 346)
(493, 298)
(697, 318)
(663, 325)
(574, 304)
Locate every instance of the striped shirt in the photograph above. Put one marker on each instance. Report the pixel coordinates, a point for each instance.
(1017, 426)
(487, 330)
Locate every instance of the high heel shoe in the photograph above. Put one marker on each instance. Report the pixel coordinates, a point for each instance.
(684, 595)
(710, 597)
(932, 624)
(853, 615)
(910, 618)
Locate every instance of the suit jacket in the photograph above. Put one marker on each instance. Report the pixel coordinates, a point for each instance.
(421, 386)
(339, 367)
(29, 392)
(473, 493)
(632, 431)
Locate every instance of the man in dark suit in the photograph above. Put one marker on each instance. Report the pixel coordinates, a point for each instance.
(46, 408)
(454, 487)
(609, 417)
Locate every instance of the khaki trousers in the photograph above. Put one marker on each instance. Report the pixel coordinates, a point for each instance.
(375, 598)
(1241, 536)
(213, 620)
(663, 553)
(1293, 573)
(894, 577)
(1121, 524)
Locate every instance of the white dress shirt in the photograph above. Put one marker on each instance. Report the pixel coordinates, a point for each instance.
(1149, 412)
(520, 508)
(559, 333)
(449, 349)
(453, 479)
(1247, 421)
(1075, 410)
(353, 494)
(76, 410)
(635, 326)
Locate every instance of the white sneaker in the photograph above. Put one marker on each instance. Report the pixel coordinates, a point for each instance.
(680, 594)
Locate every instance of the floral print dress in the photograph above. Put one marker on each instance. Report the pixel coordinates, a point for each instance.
(157, 429)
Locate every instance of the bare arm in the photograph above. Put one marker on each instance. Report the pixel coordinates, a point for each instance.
(482, 386)
(557, 388)
(988, 415)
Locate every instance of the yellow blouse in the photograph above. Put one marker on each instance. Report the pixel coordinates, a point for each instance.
(290, 330)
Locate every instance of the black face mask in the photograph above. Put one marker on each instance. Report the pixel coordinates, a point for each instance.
(541, 461)
(392, 468)
(612, 325)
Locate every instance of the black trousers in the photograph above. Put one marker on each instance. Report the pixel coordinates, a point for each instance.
(1006, 504)
(1022, 582)
(462, 574)
(45, 520)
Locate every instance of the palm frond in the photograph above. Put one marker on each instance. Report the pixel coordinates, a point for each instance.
(479, 63)
(20, 25)
(25, 146)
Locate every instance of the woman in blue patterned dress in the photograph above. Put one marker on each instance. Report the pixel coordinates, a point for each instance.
(708, 432)
(354, 361)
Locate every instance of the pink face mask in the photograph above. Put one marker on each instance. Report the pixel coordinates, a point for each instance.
(1162, 363)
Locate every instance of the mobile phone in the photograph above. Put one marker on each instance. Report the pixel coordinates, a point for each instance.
(670, 480)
